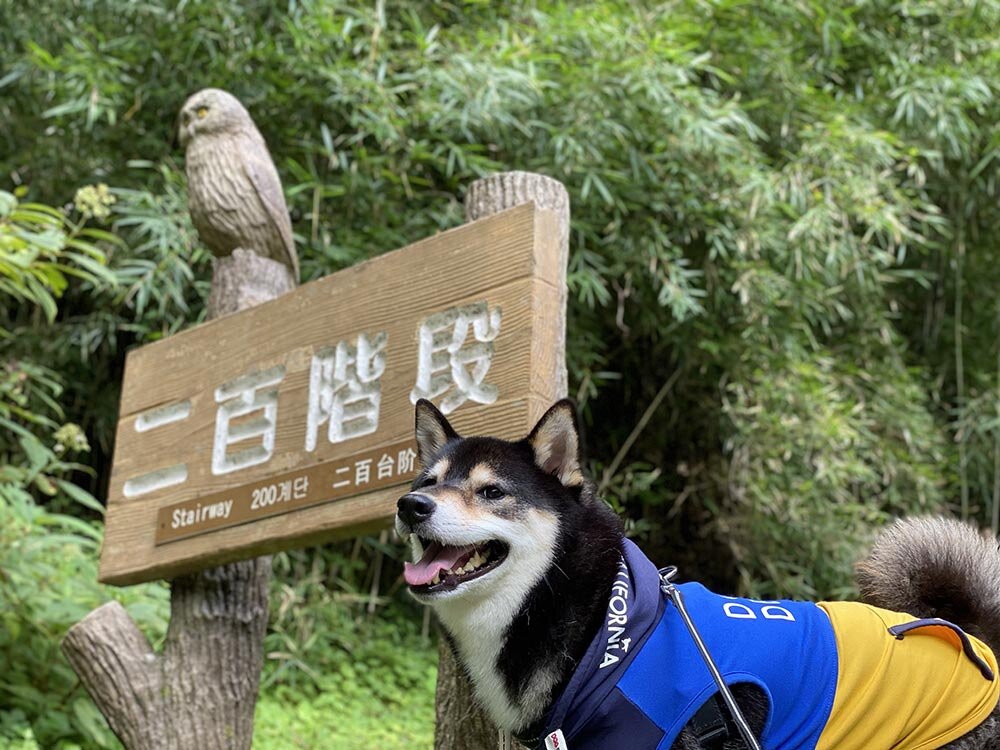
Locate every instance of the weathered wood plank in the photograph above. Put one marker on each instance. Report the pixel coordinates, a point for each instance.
(168, 450)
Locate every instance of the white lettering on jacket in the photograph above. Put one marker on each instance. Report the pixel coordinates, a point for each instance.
(617, 620)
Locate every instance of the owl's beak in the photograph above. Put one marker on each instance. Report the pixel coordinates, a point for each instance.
(184, 128)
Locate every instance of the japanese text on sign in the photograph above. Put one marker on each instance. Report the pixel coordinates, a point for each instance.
(454, 357)
(286, 492)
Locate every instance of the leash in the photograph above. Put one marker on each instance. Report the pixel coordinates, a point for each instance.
(667, 586)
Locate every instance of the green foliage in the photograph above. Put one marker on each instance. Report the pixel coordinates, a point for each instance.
(40, 248)
(48, 560)
(756, 190)
(324, 604)
(49, 583)
(330, 653)
(363, 718)
(783, 320)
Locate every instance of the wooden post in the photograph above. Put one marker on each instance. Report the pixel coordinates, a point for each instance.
(461, 724)
(200, 693)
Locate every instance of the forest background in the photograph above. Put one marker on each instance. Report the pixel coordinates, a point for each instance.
(784, 326)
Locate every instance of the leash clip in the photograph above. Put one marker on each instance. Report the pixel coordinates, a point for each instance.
(667, 575)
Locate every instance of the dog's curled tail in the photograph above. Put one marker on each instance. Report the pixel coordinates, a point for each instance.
(936, 567)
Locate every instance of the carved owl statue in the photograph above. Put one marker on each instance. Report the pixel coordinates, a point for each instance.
(234, 192)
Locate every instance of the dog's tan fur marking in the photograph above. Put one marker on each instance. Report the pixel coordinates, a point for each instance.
(450, 496)
(462, 498)
(482, 475)
(440, 469)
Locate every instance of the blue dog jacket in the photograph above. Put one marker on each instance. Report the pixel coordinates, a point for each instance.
(642, 678)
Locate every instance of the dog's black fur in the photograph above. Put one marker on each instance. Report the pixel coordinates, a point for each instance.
(560, 609)
(929, 567)
(566, 609)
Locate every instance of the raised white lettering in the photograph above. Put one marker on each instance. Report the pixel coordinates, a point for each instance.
(739, 611)
(772, 612)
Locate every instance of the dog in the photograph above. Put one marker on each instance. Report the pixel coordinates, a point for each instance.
(563, 629)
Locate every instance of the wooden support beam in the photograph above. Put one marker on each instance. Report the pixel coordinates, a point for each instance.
(200, 693)
(461, 724)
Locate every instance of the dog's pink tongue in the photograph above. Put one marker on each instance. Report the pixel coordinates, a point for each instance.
(437, 558)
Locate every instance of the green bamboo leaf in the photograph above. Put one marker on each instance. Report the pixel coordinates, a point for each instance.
(80, 496)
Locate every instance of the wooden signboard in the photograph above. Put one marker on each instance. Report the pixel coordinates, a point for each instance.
(292, 422)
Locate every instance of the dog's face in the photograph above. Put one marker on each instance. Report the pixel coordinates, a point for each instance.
(483, 517)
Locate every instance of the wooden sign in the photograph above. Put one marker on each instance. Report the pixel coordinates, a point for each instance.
(291, 422)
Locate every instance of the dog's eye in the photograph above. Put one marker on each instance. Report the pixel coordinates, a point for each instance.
(426, 482)
(491, 492)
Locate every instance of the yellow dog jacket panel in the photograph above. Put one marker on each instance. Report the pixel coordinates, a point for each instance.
(920, 690)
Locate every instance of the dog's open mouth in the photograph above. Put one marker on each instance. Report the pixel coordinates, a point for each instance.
(444, 567)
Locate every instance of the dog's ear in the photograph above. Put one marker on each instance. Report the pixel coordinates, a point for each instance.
(555, 441)
(432, 431)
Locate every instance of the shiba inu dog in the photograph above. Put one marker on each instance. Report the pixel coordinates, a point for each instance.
(562, 627)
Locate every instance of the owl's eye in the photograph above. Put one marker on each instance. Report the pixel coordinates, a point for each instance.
(202, 113)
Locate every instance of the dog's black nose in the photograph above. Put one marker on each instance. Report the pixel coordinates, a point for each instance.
(413, 508)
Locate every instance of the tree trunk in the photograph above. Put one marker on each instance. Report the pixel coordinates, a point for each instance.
(201, 692)
(461, 724)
